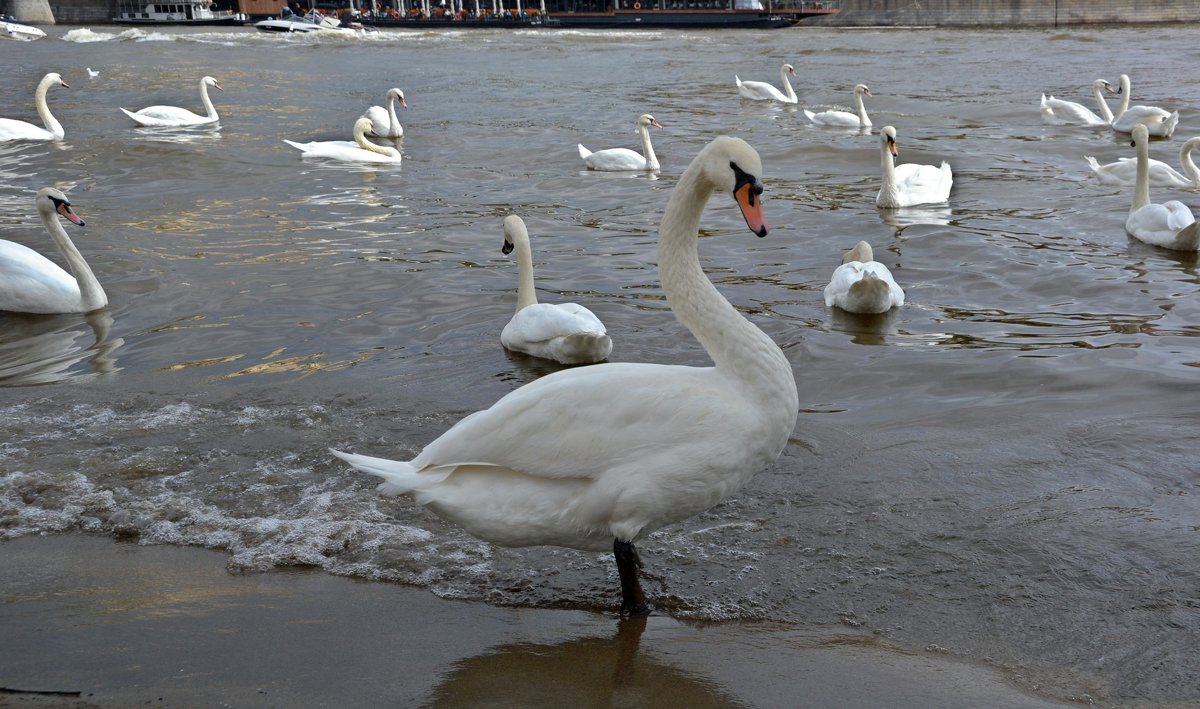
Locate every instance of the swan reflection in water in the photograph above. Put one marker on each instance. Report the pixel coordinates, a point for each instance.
(591, 672)
(43, 349)
(904, 217)
(865, 329)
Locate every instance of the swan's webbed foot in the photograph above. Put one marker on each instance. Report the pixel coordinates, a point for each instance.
(633, 601)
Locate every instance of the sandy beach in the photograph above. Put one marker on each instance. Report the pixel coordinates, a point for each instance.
(125, 625)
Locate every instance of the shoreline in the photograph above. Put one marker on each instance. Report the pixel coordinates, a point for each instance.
(122, 624)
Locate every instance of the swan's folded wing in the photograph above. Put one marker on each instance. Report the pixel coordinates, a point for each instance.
(1179, 215)
(542, 322)
(582, 422)
(29, 281)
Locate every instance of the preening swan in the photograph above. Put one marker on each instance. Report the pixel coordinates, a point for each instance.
(598, 457)
(1158, 121)
(384, 122)
(1170, 224)
(618, 159)
(32, 283)
(1062, 113)
(174, 116)
(858, 119)
(1124, 170)
(564, 332)
(909, 184)
(762, 91)
(361, 150)
(862, 284)
(11, 129)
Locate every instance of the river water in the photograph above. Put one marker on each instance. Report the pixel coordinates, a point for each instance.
(1003, 470)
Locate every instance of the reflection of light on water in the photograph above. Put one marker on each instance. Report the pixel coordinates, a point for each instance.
(181, 135)
(904, 217)
(41, 349)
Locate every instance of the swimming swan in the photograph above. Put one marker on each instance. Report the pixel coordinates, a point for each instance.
(361, 150)
(617, 159)
(11, 129)
(564, 332)
(384, 122)
(174, 116)
(909, 184)
(762, 91)
(597, 457)
(858, 119)
(1124, 170)
(32, 283)
(1062, 113)
(863, 285)
(1158, 121)
(1170, 224)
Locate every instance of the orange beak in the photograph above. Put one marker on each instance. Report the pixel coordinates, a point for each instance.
(65, 210)
(751, 205)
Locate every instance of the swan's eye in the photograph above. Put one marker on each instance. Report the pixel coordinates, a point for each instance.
(741, 177)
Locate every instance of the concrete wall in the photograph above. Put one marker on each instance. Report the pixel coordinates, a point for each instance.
(35, 12)
(82, 12)
(1043, 13)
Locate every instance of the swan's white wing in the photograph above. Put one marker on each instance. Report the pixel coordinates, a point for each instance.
(615, 159)
(760, 91)
(381, 122)
(1158, 121)
(344, 150)
(167, 116)
(32, 283)
(11, 129)
(1123, 172)
(1159, 224)
(545, 321)
(1061, 112)
(833, 118)
(924, 181)
(851, 289)
(843, 277)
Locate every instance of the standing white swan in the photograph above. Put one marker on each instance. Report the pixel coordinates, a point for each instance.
(361, 150)
(762, 91)
(909, 184)
(11, 129)
(858, 119)
(598, 457)
(863, 285)
(1158, 121)
(1124, 170)
(620, 159)
(1170, 224)
(174, 116)
(564, 332)
(384, 122)
(1062, 113)
(32, 283)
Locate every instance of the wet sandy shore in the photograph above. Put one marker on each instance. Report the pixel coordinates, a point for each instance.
(124, 625)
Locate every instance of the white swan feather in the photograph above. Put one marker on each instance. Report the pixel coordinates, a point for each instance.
(361, 150)
(1123, 171)
(624, 159)
(1059, 112)
(909, 184)
(175, 116)
(1170, 224)
(863, 285)
(12, 129)
(845, 119)
(1158, 121)
(384, 122)
(762, 91)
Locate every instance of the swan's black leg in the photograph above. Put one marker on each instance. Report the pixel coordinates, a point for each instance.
(633, 601)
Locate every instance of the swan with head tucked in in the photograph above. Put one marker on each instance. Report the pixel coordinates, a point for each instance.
(1068, 113)
(176, 117)
(1171, 224)
(1124, 170)
(361, 150)
(845, 119)
(1158, 121)
(597, 457)
(909, 184)
(384, 122)
(762, 91)
(863, 285)
(32, 283)
(12, 129)
(567, 333)
(621, 159)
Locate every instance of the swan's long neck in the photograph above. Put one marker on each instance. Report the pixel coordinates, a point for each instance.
(91, 294)
(209, 109)
(1185, 159)
(787, 86)
(360, 139)
(1105, 112)
(1141, 187)
(526, 294)
(1125, 97)
(737, 348)
(647, 148)
(394, 128)
(862, 109)
(887, 165)
(43, 109)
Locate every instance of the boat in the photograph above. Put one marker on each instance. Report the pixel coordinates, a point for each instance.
(173, 12)
(10, 28)
(686, 14)
(290, 22)
(442, 19)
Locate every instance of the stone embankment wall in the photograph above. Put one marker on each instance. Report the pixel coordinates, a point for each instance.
(1008, 13)
(48, 12)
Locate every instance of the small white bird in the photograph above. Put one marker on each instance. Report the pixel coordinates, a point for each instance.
(174, 116)
(909, 184)
(564, 332)
(1170, 225)
(624, 159)
(384, 122)
(845, 119)
(1158, 121)
(1124, 171)
(762, 91)
(863, 285)
(92, 73)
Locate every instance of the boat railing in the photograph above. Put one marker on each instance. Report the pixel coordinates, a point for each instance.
(785, 6)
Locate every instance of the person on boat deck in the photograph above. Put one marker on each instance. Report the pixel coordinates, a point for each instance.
(286, 11)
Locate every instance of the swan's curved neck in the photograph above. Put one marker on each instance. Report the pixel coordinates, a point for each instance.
(1185, 159)
(91, 293)
(393, 119)
(737, 348)
(209, 109)
(1105, 112)
(1141, 187)
(526, 294)
(1125, 97)
(647, 148)
(787, 86)
(887, 166)
(43, 109)
(360, 139)
(862, 109)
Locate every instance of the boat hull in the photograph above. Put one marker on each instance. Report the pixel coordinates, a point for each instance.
(226, 21)
(19, 31)
(681, 19)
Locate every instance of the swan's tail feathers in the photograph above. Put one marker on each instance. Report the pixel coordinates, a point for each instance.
(1170, 123)
(1092, 163)
(811, 116)
(737, 79)
(584, 152)
(298, 146)
(137, 119)
(584, 348)
(398, 476)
